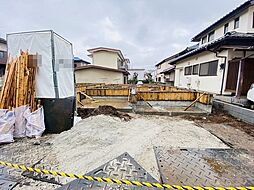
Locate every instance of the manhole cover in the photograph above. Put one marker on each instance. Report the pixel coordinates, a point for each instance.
(122, 167)
(207, 167)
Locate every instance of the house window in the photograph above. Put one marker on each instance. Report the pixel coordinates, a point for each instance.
(209, 68)
(195, 69)
(236, 24)
(211, 36)
(225, 28)
(1, 54)
(204, 40)
(188, 70)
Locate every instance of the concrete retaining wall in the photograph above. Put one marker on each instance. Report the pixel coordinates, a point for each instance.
(246, 115)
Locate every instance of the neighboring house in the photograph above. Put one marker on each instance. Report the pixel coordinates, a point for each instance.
(98, 74)
(224, 62)
(165, 71)
(108, 57)
(80, 62)
(160, 67)
(169, 75)
(140, 72)
(108, 66)
(3, 58)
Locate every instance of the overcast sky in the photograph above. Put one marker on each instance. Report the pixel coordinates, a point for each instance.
(146, 31)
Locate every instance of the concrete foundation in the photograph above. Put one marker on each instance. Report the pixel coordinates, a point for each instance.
(231, 99)
(246, 115)
(167, 108)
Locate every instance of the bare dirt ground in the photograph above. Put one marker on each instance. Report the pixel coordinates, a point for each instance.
(231, 131)
(98, 139)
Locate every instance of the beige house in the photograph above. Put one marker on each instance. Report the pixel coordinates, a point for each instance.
(98, 74)
(108, 57)
(108, 66)
(223, 62)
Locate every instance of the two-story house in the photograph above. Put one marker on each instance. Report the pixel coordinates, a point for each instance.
(165, 72)
(3, 58)
(108, 66)
(160, 67)
(223, 62)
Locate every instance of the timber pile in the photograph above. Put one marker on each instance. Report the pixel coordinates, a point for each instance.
(19, 84)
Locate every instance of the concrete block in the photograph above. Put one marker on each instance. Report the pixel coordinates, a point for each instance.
(244, 114)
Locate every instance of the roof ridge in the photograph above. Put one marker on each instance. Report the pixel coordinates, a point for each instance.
(232, 13)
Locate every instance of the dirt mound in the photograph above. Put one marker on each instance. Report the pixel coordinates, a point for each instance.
(103, 110)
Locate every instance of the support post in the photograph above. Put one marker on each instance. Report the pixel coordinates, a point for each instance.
(240, 79)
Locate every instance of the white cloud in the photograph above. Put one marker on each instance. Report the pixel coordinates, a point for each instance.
(181, 33)
(178, 47)
(146, 31)
(110, 31)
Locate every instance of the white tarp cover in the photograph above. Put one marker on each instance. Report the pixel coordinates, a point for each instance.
(40, 42)
(36, 42)
(7, 120)
(64, 66)
(20, 121)
(35, 125)
(250, 94)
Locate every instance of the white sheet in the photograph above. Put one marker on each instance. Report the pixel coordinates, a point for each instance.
(40, 42)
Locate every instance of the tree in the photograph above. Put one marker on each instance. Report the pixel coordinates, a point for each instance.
(134, 79)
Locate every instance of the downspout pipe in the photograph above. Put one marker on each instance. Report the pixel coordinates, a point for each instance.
(224, 68)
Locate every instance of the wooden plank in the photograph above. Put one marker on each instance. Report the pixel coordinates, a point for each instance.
(26, 87)
(6, 89)
(86, 95)
(194, 101)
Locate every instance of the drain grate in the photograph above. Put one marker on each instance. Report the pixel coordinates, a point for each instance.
(122, 167)
(207, 167)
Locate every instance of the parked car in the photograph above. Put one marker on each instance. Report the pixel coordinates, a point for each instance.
(250, 94)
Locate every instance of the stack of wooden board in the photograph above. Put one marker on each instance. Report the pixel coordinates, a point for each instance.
(19, 84)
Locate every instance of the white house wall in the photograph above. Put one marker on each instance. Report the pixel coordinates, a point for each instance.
(203, 83)
(94, 75)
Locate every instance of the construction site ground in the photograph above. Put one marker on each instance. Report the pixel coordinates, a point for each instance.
(97, 139)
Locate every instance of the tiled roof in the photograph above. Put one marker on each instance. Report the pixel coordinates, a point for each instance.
(178, 54)
(101, 68)
(77, 59)
(230, 38)
(168, 70)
